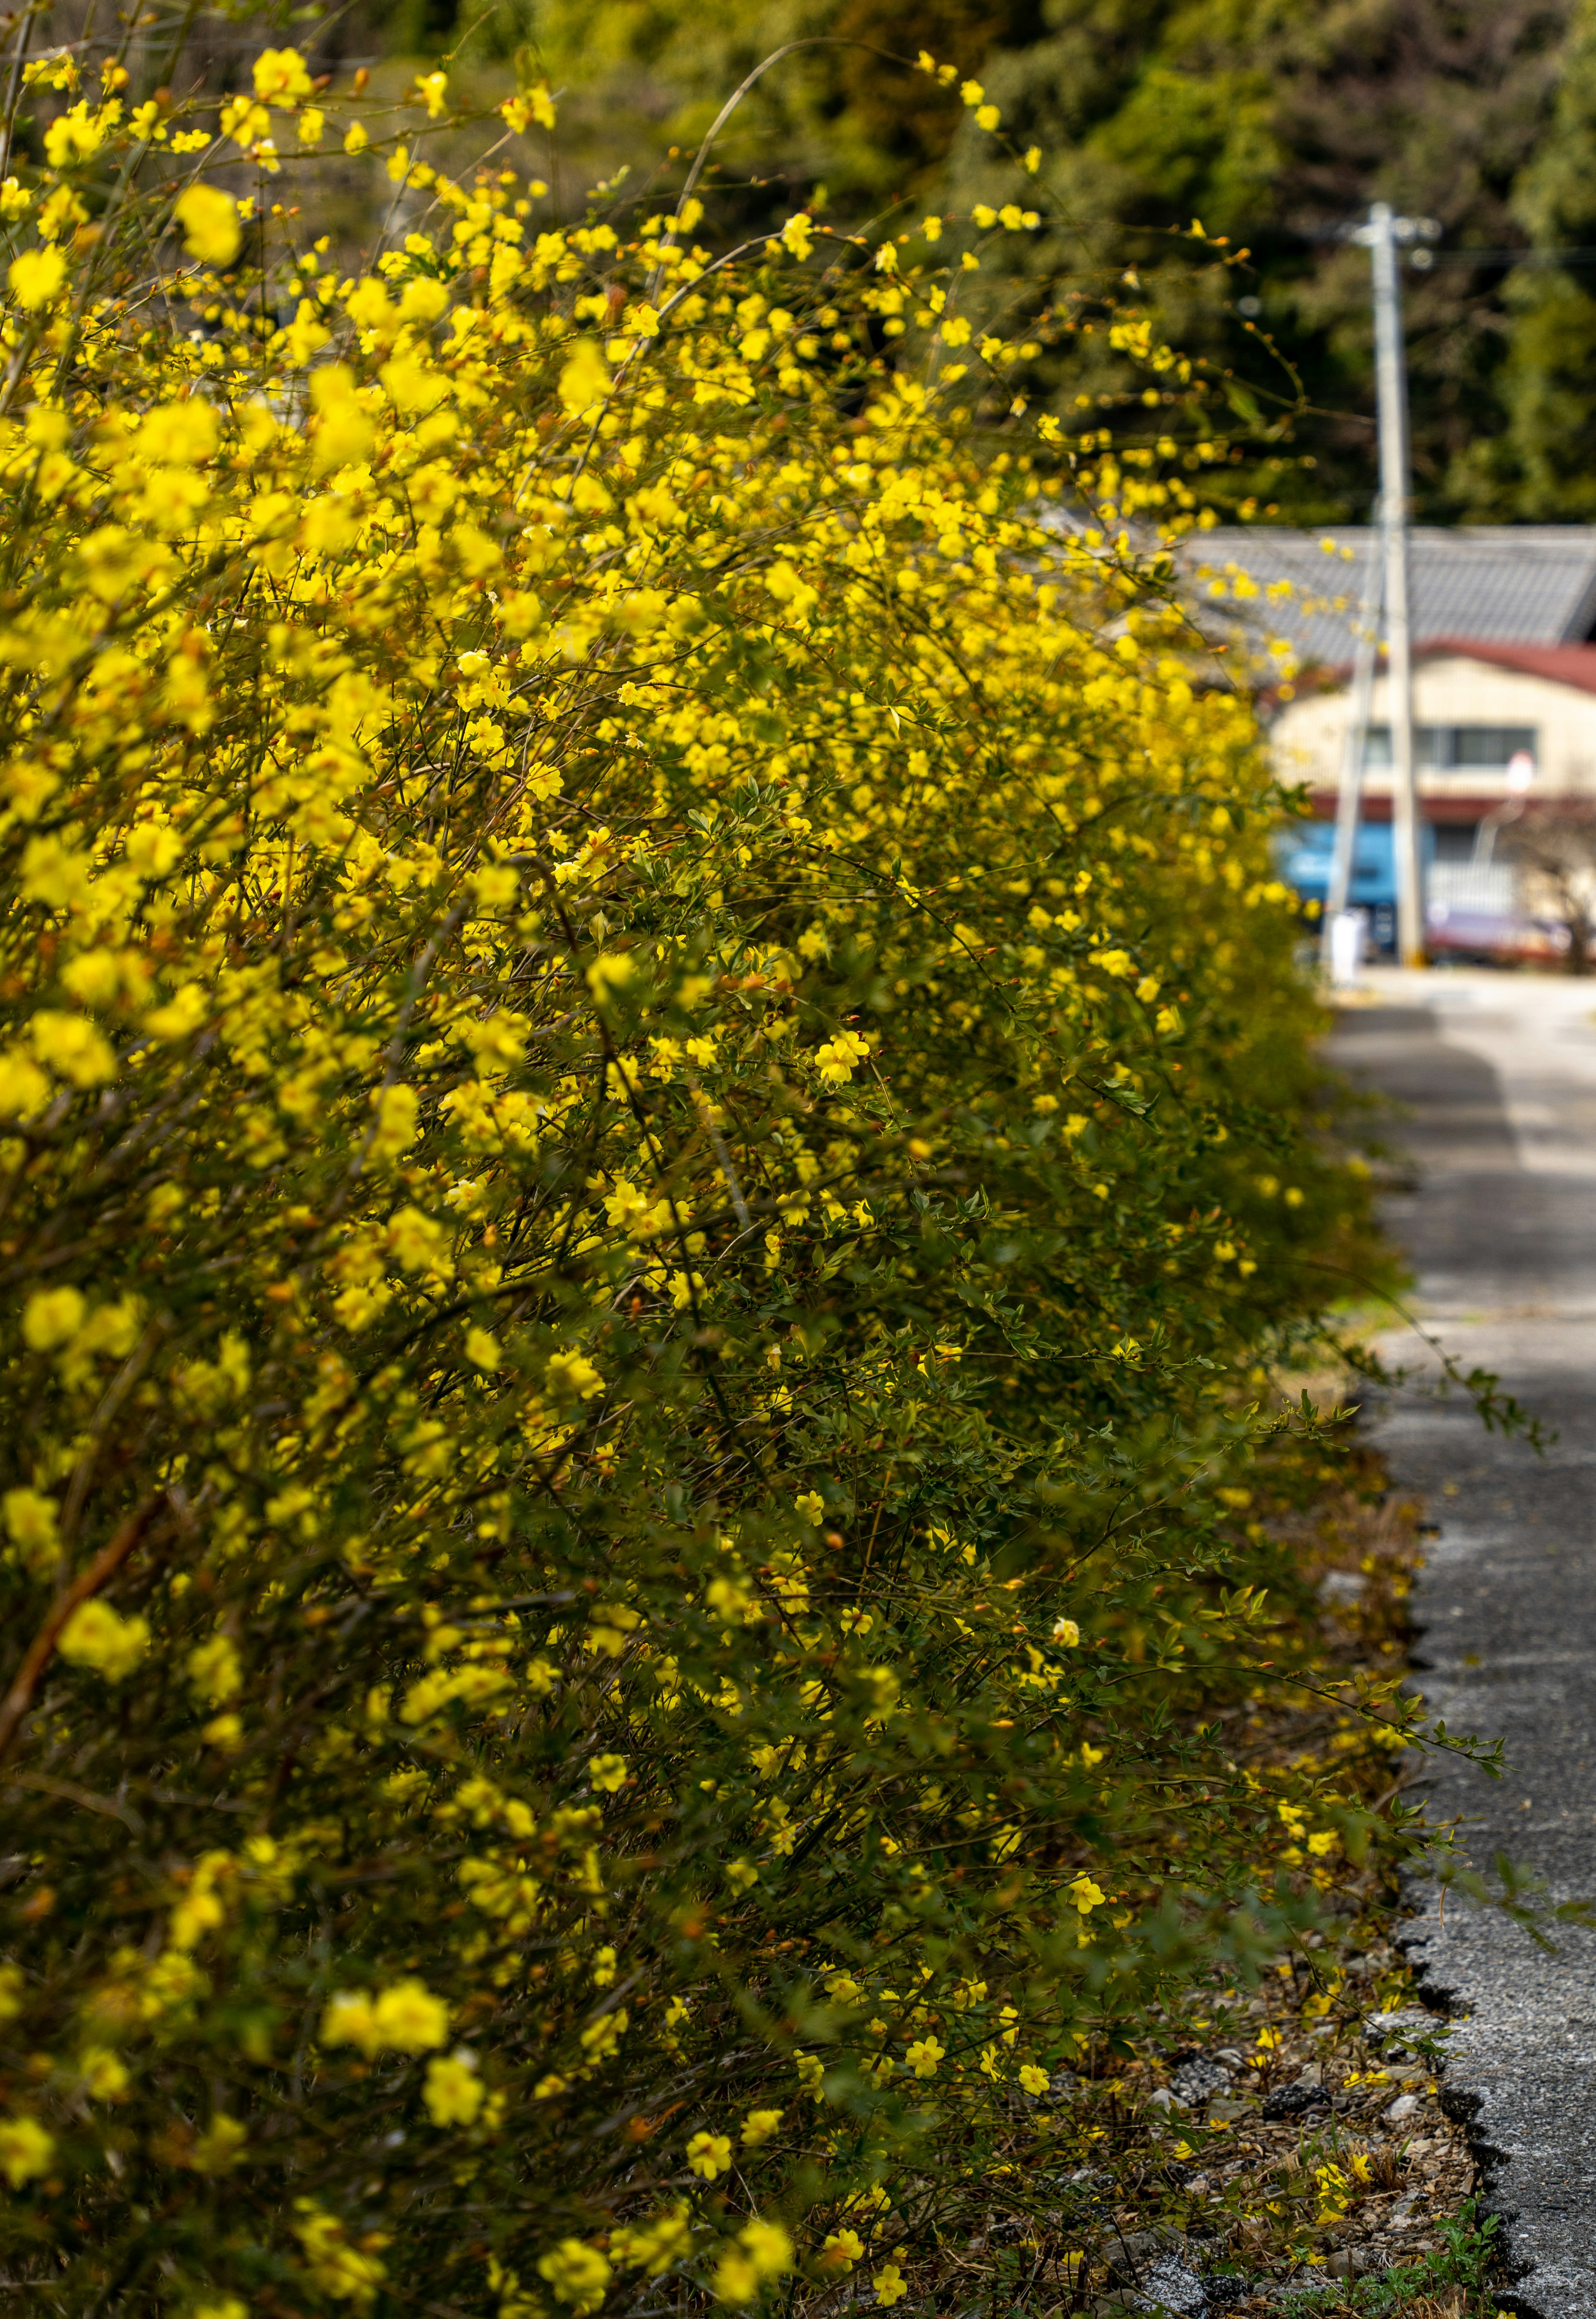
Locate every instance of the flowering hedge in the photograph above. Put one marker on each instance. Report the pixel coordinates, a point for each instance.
(652, 1092)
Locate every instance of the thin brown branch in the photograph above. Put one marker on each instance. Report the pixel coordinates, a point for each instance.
(88, 1582)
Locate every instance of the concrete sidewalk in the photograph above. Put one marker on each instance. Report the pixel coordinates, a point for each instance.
(1498, 1073)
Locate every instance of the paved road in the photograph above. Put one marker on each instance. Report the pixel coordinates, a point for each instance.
(1499, 1074)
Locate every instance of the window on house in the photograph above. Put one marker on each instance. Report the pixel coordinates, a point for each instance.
(1454, 840)
(1489, 744)
(1454, 748)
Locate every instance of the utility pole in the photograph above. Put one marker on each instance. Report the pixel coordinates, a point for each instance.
(1382, 234)
(1365, 652)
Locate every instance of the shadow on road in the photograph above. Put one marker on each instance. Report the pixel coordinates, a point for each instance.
(1496, 1084)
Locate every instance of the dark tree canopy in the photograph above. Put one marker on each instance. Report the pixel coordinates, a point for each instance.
(1274, 124)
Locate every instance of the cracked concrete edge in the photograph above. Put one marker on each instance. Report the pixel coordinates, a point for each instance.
(1541, 2283)
(1415, 1935)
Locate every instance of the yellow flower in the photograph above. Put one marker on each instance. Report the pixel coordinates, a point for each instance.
(1032, 2080)
(795, 593)
(585, 378)
(652, 2246)
(101, 2075)
(96, 1636)
(221, 2146)
(397, 1109)
(759, 2125)
(170, 501)
(24, 1087)
(185, 433)
(405, 2018)
(839, 1058)
(842, 2250)
(610, 972)
(215, 1672)
(453, 2092)
(280, 77)
(417, 1241)
(73, 136)
(890, 2285)
(347, 2021)
(763, 2252)
(210, 222)
(710, 2154)
(577, 2274)
(347, 2273)
(626, 1206)
(572, 1377)
(924, 2056)
(31, 1523)
(247, 123)
(1087, 1895)
(72, 1046)
(1118, 963)
(608, 1774)
(25, 2150)
(409, 2019)
(413, 386)
(423, 300)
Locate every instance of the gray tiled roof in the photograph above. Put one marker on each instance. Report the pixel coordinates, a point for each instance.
(1504, 584)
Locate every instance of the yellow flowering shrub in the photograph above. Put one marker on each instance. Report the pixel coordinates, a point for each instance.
(641, 1004)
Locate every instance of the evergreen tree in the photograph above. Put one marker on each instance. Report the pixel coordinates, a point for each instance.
(1543, 464)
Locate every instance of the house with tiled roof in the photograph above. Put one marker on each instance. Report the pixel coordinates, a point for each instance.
(1503, 583)
(1504, 668)
(1477, 704)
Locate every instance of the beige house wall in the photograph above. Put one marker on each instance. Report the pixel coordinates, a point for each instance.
(1309, 735)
